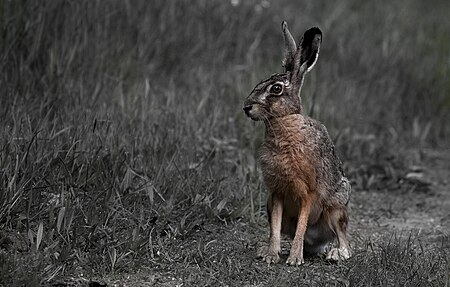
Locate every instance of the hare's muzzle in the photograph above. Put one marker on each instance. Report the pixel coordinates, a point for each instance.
(247, 110)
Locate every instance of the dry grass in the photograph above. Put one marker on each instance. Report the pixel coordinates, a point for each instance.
(122, 135)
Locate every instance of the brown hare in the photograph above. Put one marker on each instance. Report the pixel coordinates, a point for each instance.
(308, 192)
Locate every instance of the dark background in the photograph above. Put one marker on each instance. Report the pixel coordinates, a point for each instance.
(124, 148)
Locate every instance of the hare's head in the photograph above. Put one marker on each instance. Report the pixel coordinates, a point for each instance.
(279, 95)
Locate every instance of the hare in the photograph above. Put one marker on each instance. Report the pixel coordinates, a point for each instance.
(308, 192)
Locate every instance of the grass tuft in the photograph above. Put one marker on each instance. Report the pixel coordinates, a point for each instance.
(400, 261)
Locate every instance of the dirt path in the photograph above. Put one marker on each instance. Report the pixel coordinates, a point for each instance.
(423, 206)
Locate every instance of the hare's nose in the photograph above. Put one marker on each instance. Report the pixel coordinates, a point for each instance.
(247, 109)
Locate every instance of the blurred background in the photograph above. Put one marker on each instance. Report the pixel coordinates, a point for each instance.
(120, 119)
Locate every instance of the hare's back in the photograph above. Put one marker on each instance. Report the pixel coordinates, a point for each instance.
(329, 165)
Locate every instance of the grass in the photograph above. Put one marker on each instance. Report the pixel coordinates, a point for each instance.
(399, 261)
(122, 135)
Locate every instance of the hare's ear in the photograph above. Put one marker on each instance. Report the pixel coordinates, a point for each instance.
(308, 52)
(290, 48)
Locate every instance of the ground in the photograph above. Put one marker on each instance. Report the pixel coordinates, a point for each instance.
(223, 253)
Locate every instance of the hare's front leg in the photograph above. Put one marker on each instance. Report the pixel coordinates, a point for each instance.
(296, 253)
(270, 253)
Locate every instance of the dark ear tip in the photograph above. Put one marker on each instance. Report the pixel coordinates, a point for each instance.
(314, 31)
(284, 25)
(311, 35)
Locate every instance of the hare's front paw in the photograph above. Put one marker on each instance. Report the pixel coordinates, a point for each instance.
(295, 260)
(268, 254)
(338, 254)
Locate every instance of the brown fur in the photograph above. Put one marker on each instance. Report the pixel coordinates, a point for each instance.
(308, 193)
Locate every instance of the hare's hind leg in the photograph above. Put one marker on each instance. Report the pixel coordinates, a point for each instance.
(339, 220)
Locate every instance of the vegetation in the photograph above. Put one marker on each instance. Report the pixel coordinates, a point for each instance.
(124, 148)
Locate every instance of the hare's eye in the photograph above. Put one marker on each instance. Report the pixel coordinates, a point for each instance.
(276, 89)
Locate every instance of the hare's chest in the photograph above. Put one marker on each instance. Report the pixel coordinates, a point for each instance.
(288, 167)
(284, 165)
(282, 162)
